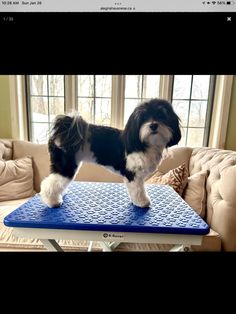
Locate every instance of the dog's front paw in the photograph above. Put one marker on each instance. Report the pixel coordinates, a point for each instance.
(142, 202)
(51, 201)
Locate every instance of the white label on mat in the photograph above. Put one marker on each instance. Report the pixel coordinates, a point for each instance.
(113, 236)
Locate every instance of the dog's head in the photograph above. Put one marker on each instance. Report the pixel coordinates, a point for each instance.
(153, 122)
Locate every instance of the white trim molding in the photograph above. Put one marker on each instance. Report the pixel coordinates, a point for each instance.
(220, 113)
(166, 84)
(70, 93)
(117, 101)
(18, 107)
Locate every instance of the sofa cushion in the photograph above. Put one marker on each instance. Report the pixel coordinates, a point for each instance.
(195, 192)
(174, 157)
(40, 156)
(16, 179)
(177, 178)
(5, 149)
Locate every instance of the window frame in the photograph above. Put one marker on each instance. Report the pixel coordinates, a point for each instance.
(217, 117)
(208, 120)
(220, 111)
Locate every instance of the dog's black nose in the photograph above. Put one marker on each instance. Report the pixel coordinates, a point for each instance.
(153, 126)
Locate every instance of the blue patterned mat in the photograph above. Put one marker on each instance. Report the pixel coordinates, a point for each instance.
(107, 207)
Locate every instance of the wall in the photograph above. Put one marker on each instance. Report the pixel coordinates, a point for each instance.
(231, 130)
(5, 113)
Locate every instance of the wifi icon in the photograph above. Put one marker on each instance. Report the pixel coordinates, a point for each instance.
(213, 2)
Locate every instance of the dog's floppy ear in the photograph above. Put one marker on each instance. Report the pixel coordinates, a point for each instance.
(131, 133)
(176, 133)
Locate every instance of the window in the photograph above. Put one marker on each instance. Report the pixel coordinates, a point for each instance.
(137, 89)
(109, 100)
(192, 101)
(94, 98)
(46, 100)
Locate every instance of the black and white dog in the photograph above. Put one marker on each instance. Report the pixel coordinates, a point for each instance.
(133, 153)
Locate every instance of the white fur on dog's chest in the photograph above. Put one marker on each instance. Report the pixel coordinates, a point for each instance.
(143, 162)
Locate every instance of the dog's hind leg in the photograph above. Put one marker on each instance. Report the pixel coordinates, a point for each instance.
(137, 191)
(63, 170)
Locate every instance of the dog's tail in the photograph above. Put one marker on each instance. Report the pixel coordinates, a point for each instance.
(68, 132)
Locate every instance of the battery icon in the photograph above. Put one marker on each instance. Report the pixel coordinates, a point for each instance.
(230, 2)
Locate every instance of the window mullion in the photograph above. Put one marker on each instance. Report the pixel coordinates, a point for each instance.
(18, 107)
(48, 93)
(70, 93)
(189, 109)
(166, 87)
(209, 110)
(94, 99)
(144, 87)
(117, 101)
(220, 113)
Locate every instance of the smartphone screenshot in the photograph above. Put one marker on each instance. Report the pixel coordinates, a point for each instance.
(117, 125)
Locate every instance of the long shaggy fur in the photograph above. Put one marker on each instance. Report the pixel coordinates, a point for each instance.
(133, 152)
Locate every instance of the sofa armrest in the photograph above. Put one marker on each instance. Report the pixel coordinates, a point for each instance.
(221, 191)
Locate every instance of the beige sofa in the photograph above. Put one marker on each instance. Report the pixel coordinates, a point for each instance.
(220, 188)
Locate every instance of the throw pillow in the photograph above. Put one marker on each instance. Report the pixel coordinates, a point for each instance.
(177, 178)
(16, 179)
(195, 192)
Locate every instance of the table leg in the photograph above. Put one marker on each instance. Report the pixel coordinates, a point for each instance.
(113, 245)
(51, 245)
(90, 246)
(109, 246)
(181, 248)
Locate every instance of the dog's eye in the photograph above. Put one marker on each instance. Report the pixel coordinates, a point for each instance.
(153, 126)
